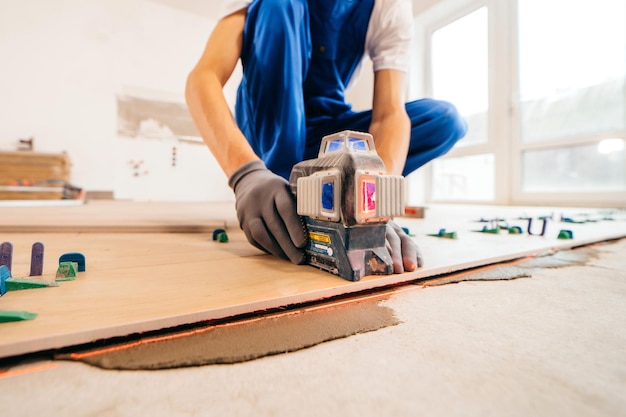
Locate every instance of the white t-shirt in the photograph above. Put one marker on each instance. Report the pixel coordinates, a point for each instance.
(389, 34)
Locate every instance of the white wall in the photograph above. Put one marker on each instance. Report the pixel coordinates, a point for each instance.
(62, 64)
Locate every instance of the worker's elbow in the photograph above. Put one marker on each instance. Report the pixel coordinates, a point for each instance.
(398, 118)
(191, 85)
(405, 121)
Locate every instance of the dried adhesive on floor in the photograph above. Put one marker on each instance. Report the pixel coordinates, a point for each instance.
(244, 340)
(289, 331)
(521, 268)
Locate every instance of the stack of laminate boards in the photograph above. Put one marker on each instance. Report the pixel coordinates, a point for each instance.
(18, 169)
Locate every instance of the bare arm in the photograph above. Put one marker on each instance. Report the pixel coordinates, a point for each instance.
(390, 125)
(206, 100)
(391, 128)
(265, 206)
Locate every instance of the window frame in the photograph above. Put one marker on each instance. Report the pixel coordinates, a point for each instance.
(503, 113)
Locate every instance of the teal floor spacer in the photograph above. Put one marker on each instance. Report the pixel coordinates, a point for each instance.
(7, 316)
(77, 257)
(493, 230)
(17, 284)
(10, 283)
(443, 234)
(5, 274)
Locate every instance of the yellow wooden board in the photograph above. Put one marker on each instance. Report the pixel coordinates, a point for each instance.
(138, 282)
(33, 167)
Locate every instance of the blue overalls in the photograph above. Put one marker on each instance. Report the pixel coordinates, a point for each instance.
(298, 57)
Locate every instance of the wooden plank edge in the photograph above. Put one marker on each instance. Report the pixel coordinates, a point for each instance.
(119, 228)
(373, 283)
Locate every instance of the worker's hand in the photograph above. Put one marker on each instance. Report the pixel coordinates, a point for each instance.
(267, 212)
(405, 254)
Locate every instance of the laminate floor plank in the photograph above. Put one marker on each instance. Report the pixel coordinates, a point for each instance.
(139, 282)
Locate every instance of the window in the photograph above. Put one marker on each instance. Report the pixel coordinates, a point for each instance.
(597, 166)
(460, 71)
(572, 101)
(470, 178)
(572, 67)
(542, 85)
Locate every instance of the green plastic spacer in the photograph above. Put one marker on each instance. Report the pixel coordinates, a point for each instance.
(77, 257)
(493, 231)
(220, 235)
(18, 284)
(7, 316)
(565, 234)
(446, 235)
(67, 271)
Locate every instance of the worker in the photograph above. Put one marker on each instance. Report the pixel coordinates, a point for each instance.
(298, 58)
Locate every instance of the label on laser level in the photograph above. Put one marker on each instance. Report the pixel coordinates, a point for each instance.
(320, 248)
(320, 237)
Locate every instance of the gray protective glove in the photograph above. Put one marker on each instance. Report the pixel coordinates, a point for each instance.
(405, 254)
(267, 212)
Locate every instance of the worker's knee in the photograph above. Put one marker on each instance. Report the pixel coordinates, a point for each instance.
(452, 122)
(435, 127)
(440, 117)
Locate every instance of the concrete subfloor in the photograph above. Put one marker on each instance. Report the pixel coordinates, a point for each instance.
(550, 345)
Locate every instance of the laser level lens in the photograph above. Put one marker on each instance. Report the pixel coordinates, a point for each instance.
(356, 144)
(328, 196)
(368, 194)
(334, 145)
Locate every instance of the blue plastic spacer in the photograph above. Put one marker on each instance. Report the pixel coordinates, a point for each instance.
(5, 274)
